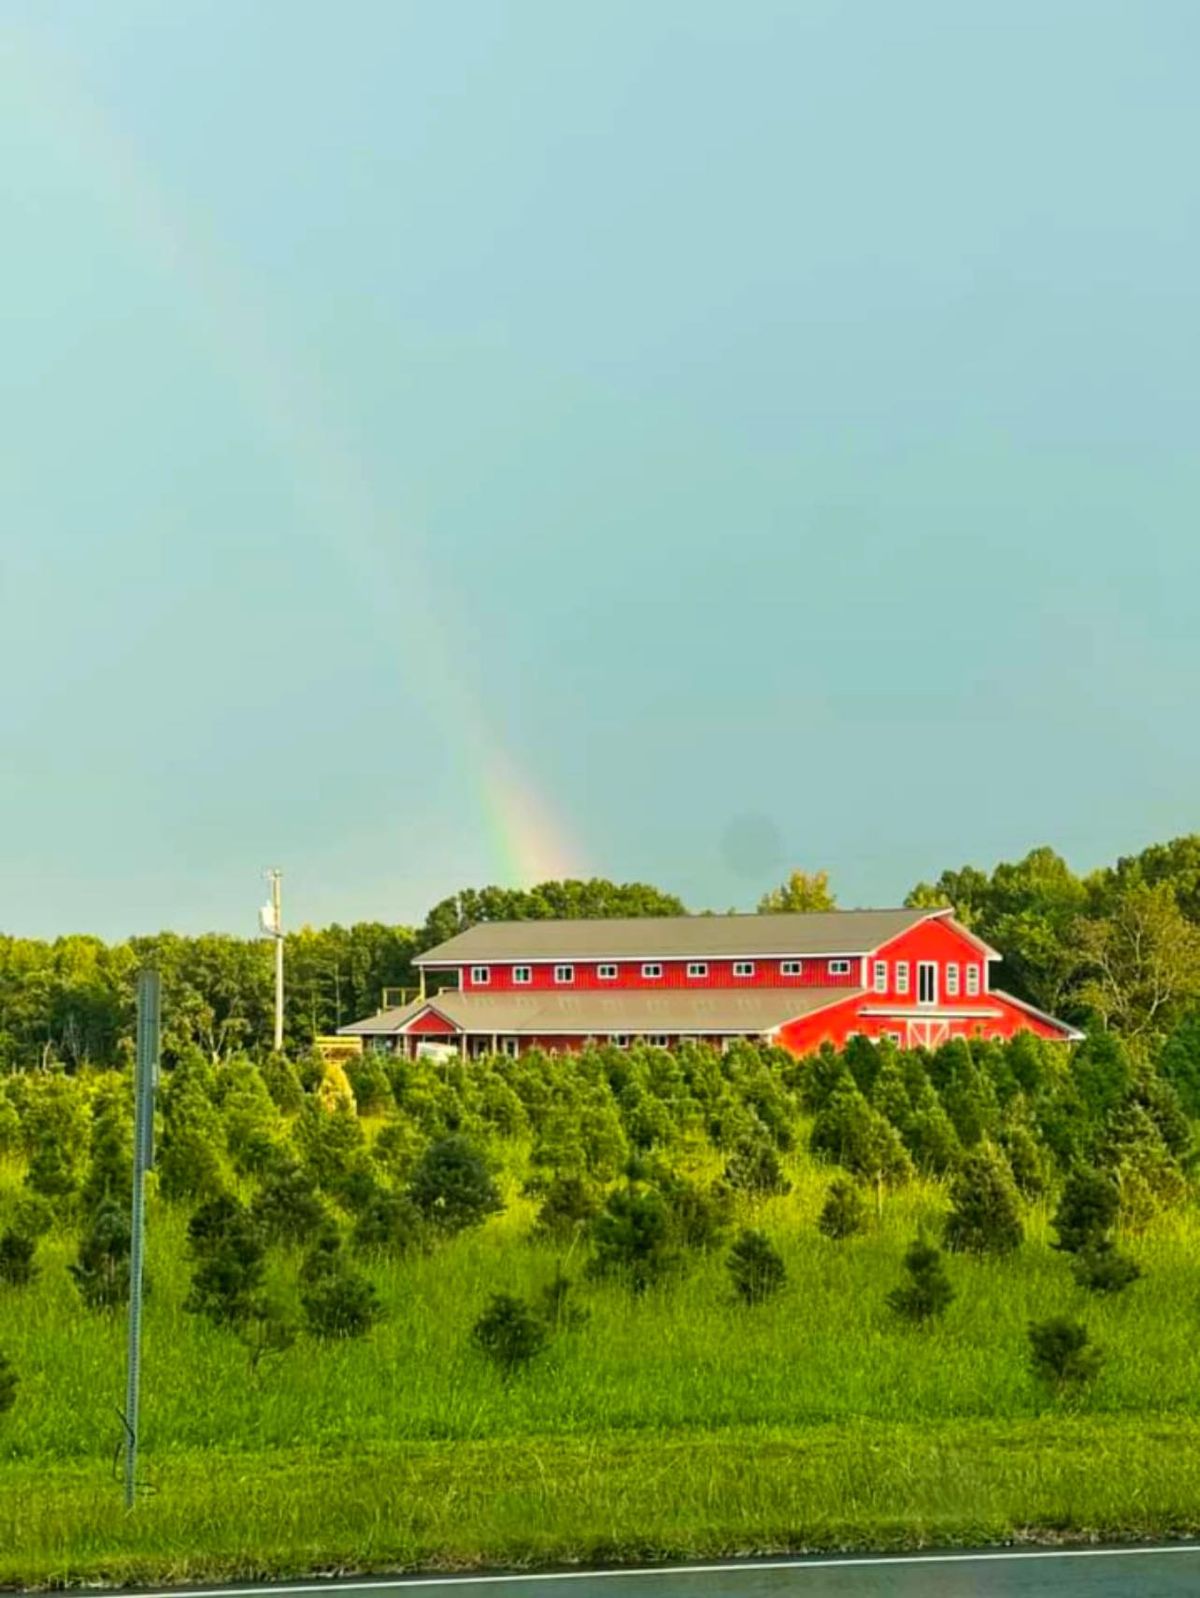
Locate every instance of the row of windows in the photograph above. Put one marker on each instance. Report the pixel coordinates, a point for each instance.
(927, 979)
(522, 975)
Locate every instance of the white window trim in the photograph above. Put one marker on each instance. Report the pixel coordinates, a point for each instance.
(522, 976)
(953, 986)
(923, 966)
(697, 968)
(511, 1047)
(791, 968)
(481, 975)
(879, 976)
(652, 971)
(839, 968)
(568, 979)
(607, 972)
(658, 1040)
(972, 981)
(742, 969)
(619, 1039)
(901, 976)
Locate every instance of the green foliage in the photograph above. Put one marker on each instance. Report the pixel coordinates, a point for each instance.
(330, 1143)
(17, 1268)
(632, 1239)
(559, 1309)
(338, 1302)
(509, 1333)
(369, 1081)
(282, 1082)
(33, 1215)
(754, 1169)
(755, 1266)
(1060, 1352)
(229, 1253)
(1102, 1268)
(388, 1223)
(452, 1186)
(802, 892)
(849, 1132)
(1087, 1211)
(568, 1205)
(986, 1217)
(287, 1207)
(548, 901)
(101, 1270)
(844, 1213)
(8, 1386)
(928, 1291)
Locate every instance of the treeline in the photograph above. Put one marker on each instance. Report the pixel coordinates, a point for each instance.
(1117, 950)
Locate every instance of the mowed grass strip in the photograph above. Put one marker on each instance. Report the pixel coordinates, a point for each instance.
(545, 1500)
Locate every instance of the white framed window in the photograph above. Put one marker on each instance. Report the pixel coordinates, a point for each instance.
(790, 968)
(621, 1039)
(839, 968)
(511, 1047)
(564, 973)
(952, 980)
(652, 970)
(881, 976)
(927, 982)
(895, 1037)
(658, 1040)
(743, 968)
(697, 968)
(522, 976)
(481, 975)
(901, 976)
(972, 980)
(607, 973)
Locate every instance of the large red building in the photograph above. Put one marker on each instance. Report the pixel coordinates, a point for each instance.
(917, 976)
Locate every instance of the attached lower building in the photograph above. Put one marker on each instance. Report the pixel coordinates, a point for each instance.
(919, 977)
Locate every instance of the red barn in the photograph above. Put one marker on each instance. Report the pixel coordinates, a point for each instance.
(917, 976)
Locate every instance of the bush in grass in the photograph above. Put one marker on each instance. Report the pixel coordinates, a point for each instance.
(268, 1330)
(849, 1132)
(57, 1134)
(1102, 1268)
(33, 1216)
(452, 1186)
(986, 1217)
(754, 1169)
(369, 1084)
(228, 1249)
(17, 1268)
(632, 1238)
(287, 1207)
(110, 1167)
(396, 1147)
(101, 1270)
(1087, 1210)
(282, 1082)
(1060, 1353)
(329, 1140)
(699, 1216)
(8, 1386)
(559, 1311)
(338, 1302)
(10, 1125)
(755, 1266)
(568, 1204)
(1026, 1159)
(509, 1333)
(844, 1213)
(389, 1223)
(189, 1163)
(928, 1292)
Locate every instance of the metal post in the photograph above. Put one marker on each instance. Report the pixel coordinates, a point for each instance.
(148, 990)
(277, 917)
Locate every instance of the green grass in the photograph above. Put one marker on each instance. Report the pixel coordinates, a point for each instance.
(680, 1424)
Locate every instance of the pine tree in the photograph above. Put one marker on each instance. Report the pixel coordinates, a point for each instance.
(1087, 1210)
(756, 1267)
(452, 1186)
(986, 1217)
(1060, 1352)
(338, 1302)
(287, 1206)
(509, 1333)
(928, 1292)
(632, 1235)
(1102, 1268)
(229, 1253)
(754, 1169)
(101, 1271)
(844, 1213)
(17, 1268)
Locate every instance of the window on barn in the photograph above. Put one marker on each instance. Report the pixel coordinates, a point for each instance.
(743, 968)
(621, 1039)
(607, 973)
(881, 976)
(481, 975)
(790, 968)
(512, 1047)
(564, 973)
(658, 1040)
(972, 980)
(522, 975)
(901, 976)
(652, 971)
(952, 980)
(697, 968)
(839, 968)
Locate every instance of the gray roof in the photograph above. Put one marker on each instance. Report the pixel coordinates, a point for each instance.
(677, 937)
(669, 1011)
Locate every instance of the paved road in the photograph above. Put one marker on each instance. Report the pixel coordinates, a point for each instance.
(1170, 1572)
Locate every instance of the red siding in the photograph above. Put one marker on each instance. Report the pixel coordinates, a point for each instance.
(814, 973)
(431, 1026)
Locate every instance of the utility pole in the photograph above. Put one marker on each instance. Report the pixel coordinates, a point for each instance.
(270, 919)
(148, 991)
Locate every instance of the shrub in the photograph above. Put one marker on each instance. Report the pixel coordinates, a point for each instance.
(8, 1386)
(1060, 1352)
(1087, 1210)
(287, 1207)
(389, 1223)
(632, 1236)
(558, 1310)
(16, 1258)
(568, 1205)
(452, 1186)
(282, 1082)
(844, 1213)
(928, 1292)
(699, 1216)
(756, 1267)
(33, 1215)
(754, 1169)
(1101, 1268)
(228, 1248)
(986, 1217)
(101, 1271)
(337, 1301)
(267, 1331)
(509, 1333)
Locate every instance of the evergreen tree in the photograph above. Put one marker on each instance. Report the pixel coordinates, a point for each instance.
(1102, 1268)
(858, 1138)
(632, 1236)
(287, 1207)
(1060, 1353)
(509, 1333)
(928, 1291)
(338, 1302)
(986, 1217)
(452, 1186)
(568, 1205)
(1087, 1210)
(756, 1267)
(844, 1213)
(101, 1271)
(559, 1311)
(389, 1223)
(17, 1268)
(754, 1169)
(229, 1253)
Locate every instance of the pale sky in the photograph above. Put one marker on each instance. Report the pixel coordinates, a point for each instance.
(447, 443)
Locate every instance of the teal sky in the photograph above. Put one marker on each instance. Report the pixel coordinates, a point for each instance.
(768, 430)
